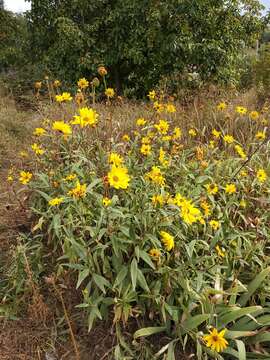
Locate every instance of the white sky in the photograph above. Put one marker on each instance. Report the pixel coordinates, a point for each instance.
(21, 5)
(17, 5)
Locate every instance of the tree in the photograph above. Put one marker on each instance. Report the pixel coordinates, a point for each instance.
(141, 41)
(13, 40)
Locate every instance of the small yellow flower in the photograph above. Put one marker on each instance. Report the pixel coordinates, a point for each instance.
(56, 201)
(39, 131)
(155, 254)
(261, 175)
(118, 177)
(155, 175)
(62, 127)
(70, 177)
(162, 127)
(10, 177)
(168, 240)
(146, 140)
(219, 251)
(109, 92)
(241, 110)
(115, 159)
(230, 189)
(260, 135)
(166, 138)
(23, 153)
(158, 107)
(170, 108)
(240, 151)
(243, 173)
(106, 201)
(206, 207)
(216, 133)
(215, 340)
(162, 158)
(243, 204)
(146, 149)
(126, 137)
(83, 83)
(215, 225)
(212, 189)
(212, 144)
(254, 115)
(228, 139)
(177, 133)
(64, 97)
(25, 177)
(86, 117)
(140, 122)
(56, 83)
(79, 191)
(157, 200)
(192, 132)
(189, 213)
(37, 149)
(221, 106)
(152, 95)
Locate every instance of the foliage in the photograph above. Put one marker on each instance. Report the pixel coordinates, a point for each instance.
(261, 70)
(13, 40)
(73, 37)
(160, 223)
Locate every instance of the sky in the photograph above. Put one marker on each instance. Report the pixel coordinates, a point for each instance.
(18, 5)
(21, 5)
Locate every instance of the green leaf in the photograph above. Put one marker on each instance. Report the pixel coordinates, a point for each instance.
(101, 282)
(44, 195)
(121, 276)
(146, 258)
(231, 352)
(134, 273)
(170, 354)
(194, 321)
(262, 337)
(93, 184)
(82, 275)
(264, 320)
(239, 334)
(236, 313)
(253, 286)
(149, 331)
(142, 281)
(241, 350)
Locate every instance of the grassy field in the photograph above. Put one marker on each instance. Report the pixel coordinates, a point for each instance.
(145, 223)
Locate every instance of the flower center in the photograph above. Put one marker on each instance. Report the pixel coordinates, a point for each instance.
(115, 178)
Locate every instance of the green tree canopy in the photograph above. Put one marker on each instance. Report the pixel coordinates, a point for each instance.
(13, 40)
(141, 41)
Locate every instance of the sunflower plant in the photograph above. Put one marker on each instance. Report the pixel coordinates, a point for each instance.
(177, 234)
